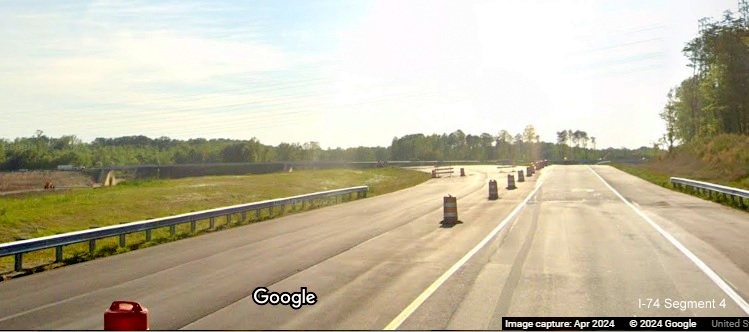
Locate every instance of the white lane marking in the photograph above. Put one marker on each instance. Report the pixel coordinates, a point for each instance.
(437, 283)
(42, 307)
(700, 264)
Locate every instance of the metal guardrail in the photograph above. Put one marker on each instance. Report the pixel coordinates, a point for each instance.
(710, 187)
(18, 248)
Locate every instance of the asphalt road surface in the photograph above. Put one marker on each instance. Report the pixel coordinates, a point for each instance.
(570, 241)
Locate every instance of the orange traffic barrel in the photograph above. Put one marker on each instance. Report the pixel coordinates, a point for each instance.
(126, 316)
(451, 208)
(529, 171)
(462, 172)
(493, 192)
(511, 182)
(521, 178)
(434, 174)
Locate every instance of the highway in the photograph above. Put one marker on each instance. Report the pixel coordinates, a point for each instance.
(570, 241)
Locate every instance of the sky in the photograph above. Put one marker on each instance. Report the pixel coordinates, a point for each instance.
(343, 73)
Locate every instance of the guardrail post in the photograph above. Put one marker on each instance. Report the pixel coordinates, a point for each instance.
(58, 254)
(228, 219)
(257, 214)
(121, 231)
(244, 216)
(18, 266)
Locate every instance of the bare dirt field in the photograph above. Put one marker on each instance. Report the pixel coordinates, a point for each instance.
(35, 180)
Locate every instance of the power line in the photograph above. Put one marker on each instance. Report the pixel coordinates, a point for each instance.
(199, 96)
(265, 110)
(115, 117)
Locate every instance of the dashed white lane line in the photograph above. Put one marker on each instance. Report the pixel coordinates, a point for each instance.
(700, 264)
(441, 280)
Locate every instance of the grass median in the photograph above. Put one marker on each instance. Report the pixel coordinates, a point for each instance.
(43, 214)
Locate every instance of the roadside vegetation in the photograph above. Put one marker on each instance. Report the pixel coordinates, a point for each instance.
(722, 160)
(707, 115)
(41, 214)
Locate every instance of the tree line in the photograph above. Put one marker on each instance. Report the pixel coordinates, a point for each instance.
(523, 146)
(715, 98)
(43, 152)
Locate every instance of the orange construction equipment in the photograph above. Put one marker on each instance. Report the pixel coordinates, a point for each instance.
(126, 316)
(493, 192)
(511, 182)
(450, 208)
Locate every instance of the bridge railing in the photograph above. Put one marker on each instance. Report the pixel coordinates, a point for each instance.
(18, 248)
(711, 188)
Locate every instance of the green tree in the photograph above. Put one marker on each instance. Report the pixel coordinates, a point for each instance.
(562, 139)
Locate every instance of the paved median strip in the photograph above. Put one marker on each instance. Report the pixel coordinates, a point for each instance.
(411, 308)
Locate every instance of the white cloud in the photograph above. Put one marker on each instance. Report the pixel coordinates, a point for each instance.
(405, 67)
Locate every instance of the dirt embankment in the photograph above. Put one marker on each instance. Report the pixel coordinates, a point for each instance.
(35, 180)
(723, 159)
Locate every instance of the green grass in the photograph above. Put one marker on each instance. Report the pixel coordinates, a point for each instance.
(652, 176)
(723, 159)
(42, 214)
(664, 180)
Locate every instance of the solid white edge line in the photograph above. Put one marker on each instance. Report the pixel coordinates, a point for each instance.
(700, 264)
(437, 283)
